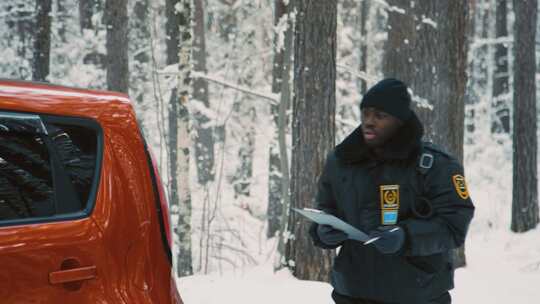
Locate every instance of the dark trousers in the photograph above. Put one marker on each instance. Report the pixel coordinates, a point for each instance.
(341, 299)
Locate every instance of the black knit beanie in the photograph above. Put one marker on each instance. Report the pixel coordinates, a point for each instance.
(390, 96)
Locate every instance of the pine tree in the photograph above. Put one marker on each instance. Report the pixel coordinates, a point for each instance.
(525, 182)
(116, 19)
(427, 50)
(140, 65)
(313, 127)
(42, 41)
(501, 115)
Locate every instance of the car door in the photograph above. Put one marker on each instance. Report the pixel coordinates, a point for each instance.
(51, 250)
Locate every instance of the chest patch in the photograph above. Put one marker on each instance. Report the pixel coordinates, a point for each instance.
(389, 204)
(460, 186)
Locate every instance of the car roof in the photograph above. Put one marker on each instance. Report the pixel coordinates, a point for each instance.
(45, 88)
(29, 96)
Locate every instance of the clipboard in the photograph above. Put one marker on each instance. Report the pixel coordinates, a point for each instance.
(323, 218)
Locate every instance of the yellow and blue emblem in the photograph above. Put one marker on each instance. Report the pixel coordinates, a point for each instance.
(389, 204)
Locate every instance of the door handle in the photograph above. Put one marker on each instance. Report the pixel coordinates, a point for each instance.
(73, 275)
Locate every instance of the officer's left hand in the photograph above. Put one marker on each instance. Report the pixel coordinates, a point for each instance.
(391, 239)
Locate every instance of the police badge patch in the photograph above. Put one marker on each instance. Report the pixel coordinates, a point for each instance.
(460, 186)
(389, 204)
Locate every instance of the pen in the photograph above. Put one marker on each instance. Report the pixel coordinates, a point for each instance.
(378, 237)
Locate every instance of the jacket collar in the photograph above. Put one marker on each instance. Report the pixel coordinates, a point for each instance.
(405, 145)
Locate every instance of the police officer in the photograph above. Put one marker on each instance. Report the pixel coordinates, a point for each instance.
(412, 195)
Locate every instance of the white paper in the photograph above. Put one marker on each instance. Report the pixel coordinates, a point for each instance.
(323, 218)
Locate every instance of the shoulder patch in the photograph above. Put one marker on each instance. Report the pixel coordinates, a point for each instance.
(460, 186)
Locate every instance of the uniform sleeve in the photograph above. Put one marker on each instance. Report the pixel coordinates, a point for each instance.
(325, 200)
(452, 207)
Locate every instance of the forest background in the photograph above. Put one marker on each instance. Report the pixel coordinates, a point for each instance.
(242, 99)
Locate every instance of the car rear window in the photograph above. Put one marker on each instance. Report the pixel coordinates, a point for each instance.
(77, 148)
(48, 166)
(25, 176)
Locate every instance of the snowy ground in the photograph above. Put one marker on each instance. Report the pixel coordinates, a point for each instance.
(503, 268)
(258, 285)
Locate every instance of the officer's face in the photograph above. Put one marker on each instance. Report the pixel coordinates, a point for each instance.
(378, 127)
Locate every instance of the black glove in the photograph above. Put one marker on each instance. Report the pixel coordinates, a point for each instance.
(391, 239)
(331, 236)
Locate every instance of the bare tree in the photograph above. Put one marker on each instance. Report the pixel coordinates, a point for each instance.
(62, 17)
(172, 41)
(179, 49)
(427, 49)
(470, 94)
(280, 80)
(140, 54)
(525, 181)
(87, 8)
(244, 110)
(363, 7)
(483, 72)
(501, 115)
(20, 34)
(313, 127)
(42, 41)
(116, 19)
(282, 127)
(204, 145)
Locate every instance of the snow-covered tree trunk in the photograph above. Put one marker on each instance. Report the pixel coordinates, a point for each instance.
(179, 48)
(19, 36)
(363, 7)
(479, 91)
(274, 165)
(282, 127)
(483, 69)
(183, 12)
(313, 127)
(61, 17)
(116, 19)
(42, 41)
(244, 108)
(500, 112)
(204, 144)
(172, 42)
(243, 176)
(470, 95)
(140, 53)
(86, 12)
(525, 182)
(430, 39)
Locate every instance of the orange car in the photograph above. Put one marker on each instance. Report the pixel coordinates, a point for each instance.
(83, 215)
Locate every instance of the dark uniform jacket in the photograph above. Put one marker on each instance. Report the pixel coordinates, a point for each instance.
(435, 211)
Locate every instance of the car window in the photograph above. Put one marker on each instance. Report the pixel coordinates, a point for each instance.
(47, 166)
(77, 148)
(25, 172)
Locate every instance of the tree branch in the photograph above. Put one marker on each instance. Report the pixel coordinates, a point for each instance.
(271, 97)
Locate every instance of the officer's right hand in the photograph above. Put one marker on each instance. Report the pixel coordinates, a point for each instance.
(331, 236)
(390, 239)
